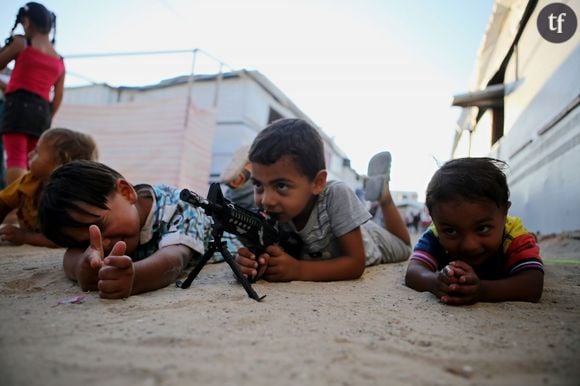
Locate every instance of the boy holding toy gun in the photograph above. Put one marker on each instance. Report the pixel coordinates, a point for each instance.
(121, 239)
(288, 171)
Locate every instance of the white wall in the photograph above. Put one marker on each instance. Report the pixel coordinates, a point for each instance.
(545, 182)
(147, 141)
(242, 111)
(541, 141)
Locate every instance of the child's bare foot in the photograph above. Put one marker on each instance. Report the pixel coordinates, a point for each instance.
(379, 171)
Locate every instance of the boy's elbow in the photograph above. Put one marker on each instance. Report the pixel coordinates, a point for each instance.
(186, 258)
(536, 294)
(410, 280)
(535, 299)
(409, 274)
(177, 267)
(535, 286)
(532, 296)
(352, 271)
(415, 280)
(358, 272)
(407, 279)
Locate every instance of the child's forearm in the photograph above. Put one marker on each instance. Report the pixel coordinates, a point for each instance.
(58, 95)
(160, 269)
(421, 279)
(349, 265)
(526, 286)
(339, 268)
(38, 239)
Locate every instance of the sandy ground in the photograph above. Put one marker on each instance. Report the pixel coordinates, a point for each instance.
(369, 331)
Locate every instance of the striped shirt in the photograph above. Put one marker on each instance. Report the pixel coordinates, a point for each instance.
(519, 252)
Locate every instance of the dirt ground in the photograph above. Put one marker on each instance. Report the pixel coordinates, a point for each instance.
(364, 332)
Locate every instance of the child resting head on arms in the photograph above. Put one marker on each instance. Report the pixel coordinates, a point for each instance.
(122, 239)
(289, 176)
(54, 148)
(473, 251)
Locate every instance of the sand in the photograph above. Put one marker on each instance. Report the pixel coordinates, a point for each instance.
(372, 331)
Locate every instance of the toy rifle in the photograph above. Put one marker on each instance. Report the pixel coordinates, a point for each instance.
(252, 229)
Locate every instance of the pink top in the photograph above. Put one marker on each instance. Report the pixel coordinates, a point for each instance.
(36, 72)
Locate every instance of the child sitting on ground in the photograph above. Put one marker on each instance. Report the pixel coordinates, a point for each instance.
(474, 252)
(289, 176)
(55, 147)
(122, 239)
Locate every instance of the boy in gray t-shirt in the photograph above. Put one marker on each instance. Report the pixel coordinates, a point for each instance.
(289, 176)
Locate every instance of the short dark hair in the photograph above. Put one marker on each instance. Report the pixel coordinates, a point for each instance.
(71, 145)
(292, 137)
(69, 186)
(472, 179)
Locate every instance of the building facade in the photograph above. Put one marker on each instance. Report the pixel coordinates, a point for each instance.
(523, 109)
(241, 102)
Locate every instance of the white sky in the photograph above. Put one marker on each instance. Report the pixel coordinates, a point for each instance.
(374, 74)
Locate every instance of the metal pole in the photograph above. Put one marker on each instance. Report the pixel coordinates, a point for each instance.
(190, 88)
(469, 144)
(111, 54)
(217, 86)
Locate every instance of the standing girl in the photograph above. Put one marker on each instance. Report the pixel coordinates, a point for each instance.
(37, 69)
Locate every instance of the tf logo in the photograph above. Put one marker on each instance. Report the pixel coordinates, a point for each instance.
(557, 22)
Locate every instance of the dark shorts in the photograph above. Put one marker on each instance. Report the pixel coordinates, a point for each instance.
(25, 112)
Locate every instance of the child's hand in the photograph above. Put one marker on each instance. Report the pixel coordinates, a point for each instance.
(12, 234)
(466, 289)
(87, 274)
(117, 274)
(451, 270)
(281, 266)
(445, 278)
(250, 267)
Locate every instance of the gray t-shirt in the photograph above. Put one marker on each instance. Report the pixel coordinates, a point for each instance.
(338, 211)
